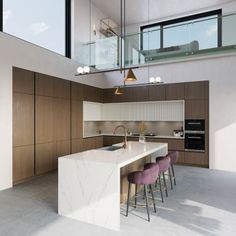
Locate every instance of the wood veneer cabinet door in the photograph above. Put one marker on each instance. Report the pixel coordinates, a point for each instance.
(92, 94)
(181, 159)
(108, 95)
(195, 109)
(61, 119)
(197, 90)
(195, 158)
(135, 94)
(76, 91)
(44, 85)
(61, 88)
(44, 117)
(76, 145)
(23, 81)
(157, 93)
(76, 119)
(175, 91)
(23, 163)
(23, 119)
(62, 148)
(45, 155)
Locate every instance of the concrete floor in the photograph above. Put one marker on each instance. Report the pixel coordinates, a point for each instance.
(202, 203)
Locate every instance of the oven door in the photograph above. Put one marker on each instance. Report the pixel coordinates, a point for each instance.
(195, 142)
(195, 125)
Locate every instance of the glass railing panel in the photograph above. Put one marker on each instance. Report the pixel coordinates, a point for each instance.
(229, 30)
(204, 36)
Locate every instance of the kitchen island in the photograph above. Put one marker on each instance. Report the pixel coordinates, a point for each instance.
(89, 182)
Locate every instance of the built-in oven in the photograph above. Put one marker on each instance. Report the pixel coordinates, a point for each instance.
(195, 125)
(195, 135)
(195, 142)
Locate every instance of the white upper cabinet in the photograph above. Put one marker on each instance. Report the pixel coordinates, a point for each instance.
(134, 111)
(92, 111)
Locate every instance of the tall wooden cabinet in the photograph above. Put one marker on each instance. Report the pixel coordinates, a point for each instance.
(52, 122)
(76, 117)
(23, 124)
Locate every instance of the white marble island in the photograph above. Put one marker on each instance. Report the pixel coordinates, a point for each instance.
(89, 182)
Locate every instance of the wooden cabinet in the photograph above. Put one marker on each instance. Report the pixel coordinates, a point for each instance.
(76, 119)
(110, 140)
(61, 119)
(44, 85)
(23, 81)
(52, 122)
(173, 144)
(23, 163)
(23, 119)
(44, 119)
(181, 159)
(175, 91)
(61, 88)
(135, 94)
(157, 92)
(76, 145)
(195, 109)
(108, 95)
(197, 90)
(92, 94)
(76, 91)
(195, 158)
(45, 155)
(92, 143)
(23, 124)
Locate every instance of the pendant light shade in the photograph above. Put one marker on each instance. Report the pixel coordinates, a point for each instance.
(130, 76)
(118, 91)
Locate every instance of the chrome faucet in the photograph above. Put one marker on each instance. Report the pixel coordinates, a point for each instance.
(125, 133)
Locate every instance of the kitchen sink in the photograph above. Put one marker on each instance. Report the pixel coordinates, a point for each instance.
(111, 148)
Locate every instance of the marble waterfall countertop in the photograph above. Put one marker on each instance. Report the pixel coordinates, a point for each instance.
(134, 136)
(89, 182)
(120, 157)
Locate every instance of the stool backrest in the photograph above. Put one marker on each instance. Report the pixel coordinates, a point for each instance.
(164, 163)
(150, 175)
(174, 156)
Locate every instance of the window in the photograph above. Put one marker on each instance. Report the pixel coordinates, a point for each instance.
(202, 31)
(41, 22)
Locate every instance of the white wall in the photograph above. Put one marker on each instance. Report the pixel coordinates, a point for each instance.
(221, 73)
(15, 52)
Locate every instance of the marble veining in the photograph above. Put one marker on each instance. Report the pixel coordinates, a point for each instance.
(89, 182)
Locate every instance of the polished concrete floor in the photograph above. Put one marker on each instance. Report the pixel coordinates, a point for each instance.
(202, 203)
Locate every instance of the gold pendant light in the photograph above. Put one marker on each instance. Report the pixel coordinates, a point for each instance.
(130, 76)
(118, 91)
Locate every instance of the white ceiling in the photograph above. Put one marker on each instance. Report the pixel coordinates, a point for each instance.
(137, 10)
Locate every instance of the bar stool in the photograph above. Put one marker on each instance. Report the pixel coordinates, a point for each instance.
(164, 165)
(149, 165)
(174, 156)
(147, 177)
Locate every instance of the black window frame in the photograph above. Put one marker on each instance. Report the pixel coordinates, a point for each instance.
(182, 20)
(67, 26)
(1, 15)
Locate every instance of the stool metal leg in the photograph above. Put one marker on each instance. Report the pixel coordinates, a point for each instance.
(160, 183)
(146, 197)
(164, 179)
(170, 176)
(173, 172)
(153, 199)
(135, 196)
(127, 209)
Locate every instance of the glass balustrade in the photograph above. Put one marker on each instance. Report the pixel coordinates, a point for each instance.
(210, 35)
